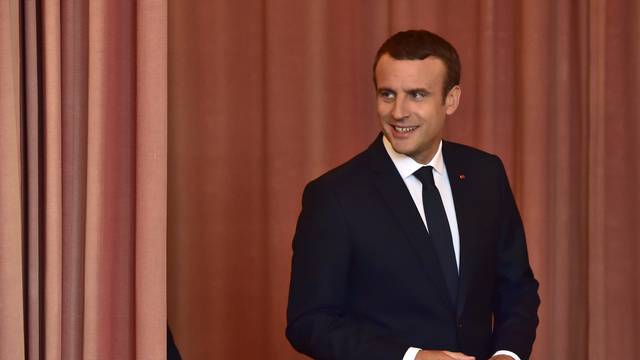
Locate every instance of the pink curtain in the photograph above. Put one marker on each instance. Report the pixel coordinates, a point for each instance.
(267, 95)
(11, 184)
(83, 139)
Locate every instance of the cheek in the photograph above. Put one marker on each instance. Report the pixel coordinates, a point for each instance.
(383, 109)
(431, 115)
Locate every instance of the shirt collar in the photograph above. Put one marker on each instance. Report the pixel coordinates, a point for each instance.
(407, 166)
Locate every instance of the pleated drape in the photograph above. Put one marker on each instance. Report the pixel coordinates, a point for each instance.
(12, 307)
(267, 95)
(83, 214)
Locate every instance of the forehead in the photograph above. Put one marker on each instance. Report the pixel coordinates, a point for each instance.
(428, 73)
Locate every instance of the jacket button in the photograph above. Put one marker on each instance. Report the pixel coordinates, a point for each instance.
(460, 325)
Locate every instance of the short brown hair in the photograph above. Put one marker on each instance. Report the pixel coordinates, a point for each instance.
(419, 45)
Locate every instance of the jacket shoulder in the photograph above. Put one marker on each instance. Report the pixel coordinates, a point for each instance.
(467, 151)
(347, 174)
(472, 158)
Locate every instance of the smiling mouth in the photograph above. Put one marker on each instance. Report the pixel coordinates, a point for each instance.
(404, 129)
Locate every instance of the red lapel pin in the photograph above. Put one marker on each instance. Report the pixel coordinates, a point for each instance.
(461, 176)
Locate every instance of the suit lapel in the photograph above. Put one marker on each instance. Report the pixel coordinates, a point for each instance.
(462, 199)
(396, 195)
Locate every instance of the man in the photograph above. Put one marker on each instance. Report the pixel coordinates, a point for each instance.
(414, 249)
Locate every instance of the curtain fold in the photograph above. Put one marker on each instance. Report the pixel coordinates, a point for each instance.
(151, 180)
(33, 167)
(12, 304)
(83, 209)
(51, 186)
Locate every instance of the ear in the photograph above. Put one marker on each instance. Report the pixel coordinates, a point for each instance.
(452, 100)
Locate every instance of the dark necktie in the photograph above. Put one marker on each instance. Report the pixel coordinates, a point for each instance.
(439, 230)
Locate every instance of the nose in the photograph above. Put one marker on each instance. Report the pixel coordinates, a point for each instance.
(399, 111)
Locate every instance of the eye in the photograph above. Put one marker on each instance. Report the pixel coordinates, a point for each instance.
(386, 95)
(418, 94)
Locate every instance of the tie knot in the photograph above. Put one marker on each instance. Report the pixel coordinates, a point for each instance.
(425, 175)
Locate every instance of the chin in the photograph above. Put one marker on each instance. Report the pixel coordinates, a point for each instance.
(402, 148)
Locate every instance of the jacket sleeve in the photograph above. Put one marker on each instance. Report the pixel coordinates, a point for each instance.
(318, 323)
(516, 300)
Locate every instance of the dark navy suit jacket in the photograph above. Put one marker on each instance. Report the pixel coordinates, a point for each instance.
(366, 282)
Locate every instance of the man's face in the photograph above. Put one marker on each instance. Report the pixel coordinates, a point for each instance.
(411, 107)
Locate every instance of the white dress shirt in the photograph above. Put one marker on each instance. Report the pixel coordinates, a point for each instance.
(406, 166)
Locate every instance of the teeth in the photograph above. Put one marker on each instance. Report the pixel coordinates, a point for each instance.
(404, 129)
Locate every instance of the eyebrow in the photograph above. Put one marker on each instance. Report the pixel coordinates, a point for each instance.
(408, 91)
(379, 90)
(424, 90)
